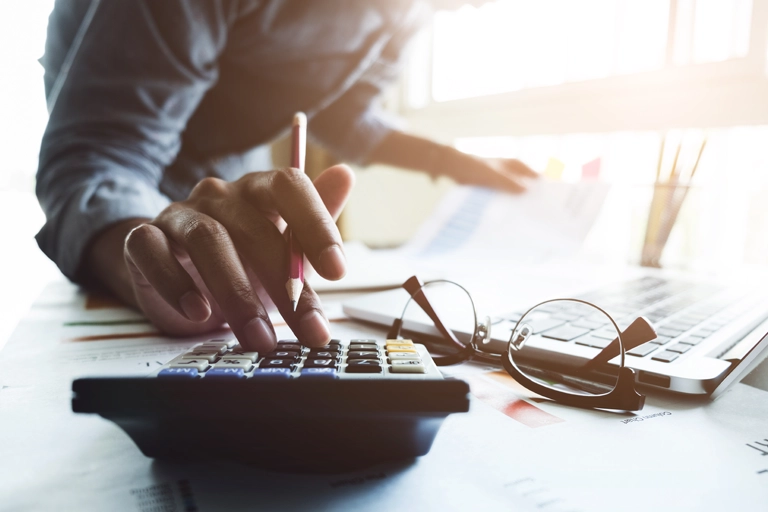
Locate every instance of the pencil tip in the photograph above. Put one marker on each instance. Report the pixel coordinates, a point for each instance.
(295, 304)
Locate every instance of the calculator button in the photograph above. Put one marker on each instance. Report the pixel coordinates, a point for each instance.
(399, 342)
(407, 367)
(400, 347)
(230, 362)
(363, 366)
(358, 346)
(219, 347)
(295, 347)
(322, 353)
(276, 363)
(401, 350)
(242, 354)
(283, 354)
(402, 356)
(320, 363)
(327, 373)
(203, 353)
(363, 354)
(189, 373)
(362, 341)
(199, 364)
(230, 343)
(197, 355)
(272, 373)
(281, 342)
(334, 343)
(226, 373)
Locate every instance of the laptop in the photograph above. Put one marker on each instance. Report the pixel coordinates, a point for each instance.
(709, 335)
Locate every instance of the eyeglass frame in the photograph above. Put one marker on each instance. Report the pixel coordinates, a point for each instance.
(623, 397)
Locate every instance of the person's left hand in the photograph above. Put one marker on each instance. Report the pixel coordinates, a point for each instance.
(506, 174)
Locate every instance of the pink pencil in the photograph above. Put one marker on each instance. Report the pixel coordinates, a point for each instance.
(295, 282)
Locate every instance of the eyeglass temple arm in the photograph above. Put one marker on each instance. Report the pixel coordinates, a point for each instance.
(414, 287)
(638, 332)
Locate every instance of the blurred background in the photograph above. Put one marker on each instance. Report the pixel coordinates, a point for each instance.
(544, 81)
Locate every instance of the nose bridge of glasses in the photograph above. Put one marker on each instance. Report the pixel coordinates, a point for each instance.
(520, 336)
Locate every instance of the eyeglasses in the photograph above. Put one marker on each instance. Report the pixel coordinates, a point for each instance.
(568, 350)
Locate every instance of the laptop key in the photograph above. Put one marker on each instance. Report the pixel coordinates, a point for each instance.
(661, 340)
(666, 356)
(692, 340)
(672, 333)
(593, 341)
(565, 333)
(545, 324)
(682, 348)
(643, 350)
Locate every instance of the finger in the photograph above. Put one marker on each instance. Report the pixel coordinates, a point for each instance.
(262, 246)
(214, 256)
(335, 186)
(290, 193)
(519, 168)
(148, 252)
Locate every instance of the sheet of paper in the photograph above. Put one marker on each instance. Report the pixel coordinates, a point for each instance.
(550, 219)
(510, 452)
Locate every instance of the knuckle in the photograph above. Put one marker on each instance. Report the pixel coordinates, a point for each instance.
(209, 187)
(205, 231)
(140, 236)
(239, 292)
(289, 178)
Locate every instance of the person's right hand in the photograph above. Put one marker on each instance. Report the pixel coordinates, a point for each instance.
(212, 258)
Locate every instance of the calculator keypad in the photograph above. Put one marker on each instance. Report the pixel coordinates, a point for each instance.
(354, 359)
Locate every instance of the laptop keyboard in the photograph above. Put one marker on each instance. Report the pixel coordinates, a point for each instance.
(683, 314)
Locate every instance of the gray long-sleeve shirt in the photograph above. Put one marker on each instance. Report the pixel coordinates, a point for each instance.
(162, 93)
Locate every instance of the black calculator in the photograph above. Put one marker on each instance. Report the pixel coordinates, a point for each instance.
(348, 405)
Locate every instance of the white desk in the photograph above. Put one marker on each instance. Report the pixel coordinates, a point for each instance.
(678, 455)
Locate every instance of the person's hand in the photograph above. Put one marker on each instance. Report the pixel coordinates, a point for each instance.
(220, 255)
(505, 174)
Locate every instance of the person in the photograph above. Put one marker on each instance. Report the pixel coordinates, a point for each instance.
(158, 111)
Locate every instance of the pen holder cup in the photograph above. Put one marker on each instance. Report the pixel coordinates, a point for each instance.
(664, 210)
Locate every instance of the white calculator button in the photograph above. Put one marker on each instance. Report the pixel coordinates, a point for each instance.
(403, 356)
(239, 353)
(230, 362)
(199, 364)
(406, 366)
(208, 356)
(219, 347)
(230, 343)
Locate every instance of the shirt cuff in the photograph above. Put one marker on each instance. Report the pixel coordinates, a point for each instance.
(91, 208)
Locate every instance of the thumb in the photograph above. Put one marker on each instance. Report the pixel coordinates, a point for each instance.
(335, 186)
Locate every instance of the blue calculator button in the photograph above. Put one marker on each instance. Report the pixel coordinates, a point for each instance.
(326, 373)
(279, 373)
(232, 373)
(189, 373)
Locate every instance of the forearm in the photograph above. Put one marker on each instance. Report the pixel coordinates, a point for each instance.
(408, 151)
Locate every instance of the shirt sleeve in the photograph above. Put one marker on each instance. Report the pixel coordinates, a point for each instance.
(354, 124)
(139, 73)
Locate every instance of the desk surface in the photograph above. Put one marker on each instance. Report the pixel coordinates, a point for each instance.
(508, 452)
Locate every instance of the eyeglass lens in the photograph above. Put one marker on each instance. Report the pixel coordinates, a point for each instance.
(554, 343)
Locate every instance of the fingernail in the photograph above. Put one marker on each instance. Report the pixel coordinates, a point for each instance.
(259, 335)
(195, 307)
(314, 329)
(333, 262)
